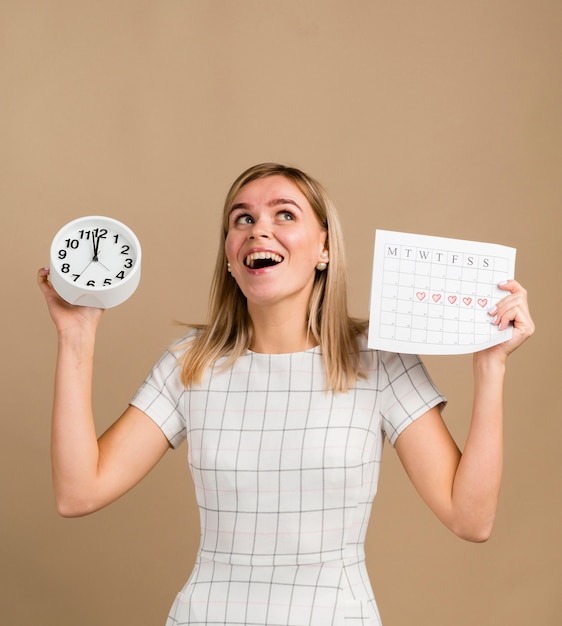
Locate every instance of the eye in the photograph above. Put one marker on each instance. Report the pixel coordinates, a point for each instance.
(286, 216)
(244, 219)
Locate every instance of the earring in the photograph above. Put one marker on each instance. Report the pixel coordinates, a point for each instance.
(323, 264)
(228, 266)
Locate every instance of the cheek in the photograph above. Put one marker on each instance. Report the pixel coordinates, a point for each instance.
(230, 247)
(313, 244)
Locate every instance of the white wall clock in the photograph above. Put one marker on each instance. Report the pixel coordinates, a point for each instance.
(95, 261)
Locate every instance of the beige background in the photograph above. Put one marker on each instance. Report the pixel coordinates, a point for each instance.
(436, 117)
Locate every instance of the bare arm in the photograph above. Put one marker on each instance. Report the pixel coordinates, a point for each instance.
(463, 489)
(89, 473)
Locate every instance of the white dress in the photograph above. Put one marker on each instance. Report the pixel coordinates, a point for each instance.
(285, 475)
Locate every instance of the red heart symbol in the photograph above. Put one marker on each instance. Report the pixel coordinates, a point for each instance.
(436, 297)
(420, 295)
(482, 302)
(452, 299)
(467, 301)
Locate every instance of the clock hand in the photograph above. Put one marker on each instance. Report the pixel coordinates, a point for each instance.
(87, 266)
(96, 242)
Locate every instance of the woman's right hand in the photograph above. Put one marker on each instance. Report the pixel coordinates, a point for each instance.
(67, 317)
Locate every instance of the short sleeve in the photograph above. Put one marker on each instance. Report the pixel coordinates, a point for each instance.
(161, 398)
(407, 392)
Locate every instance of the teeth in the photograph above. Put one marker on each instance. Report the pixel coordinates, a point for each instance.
(255, 256)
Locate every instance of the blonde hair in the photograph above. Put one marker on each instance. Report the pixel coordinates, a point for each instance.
(229, 331)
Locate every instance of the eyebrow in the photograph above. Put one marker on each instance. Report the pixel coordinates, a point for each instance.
(272, 203)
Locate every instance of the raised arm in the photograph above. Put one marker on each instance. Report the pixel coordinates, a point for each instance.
(89, 473)
(463, 489)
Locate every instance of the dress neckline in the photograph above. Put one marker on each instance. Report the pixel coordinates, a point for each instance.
(313, 350)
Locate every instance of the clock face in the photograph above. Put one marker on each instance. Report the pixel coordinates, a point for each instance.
(96, 257)
(95, 253)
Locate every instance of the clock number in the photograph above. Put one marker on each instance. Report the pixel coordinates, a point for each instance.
(91, 283)
(116, 237)
(129, 263)
(72, 243)
(65, 268)
(124, 249)
(107, 282)
(97, 233)
(62, 254)
(76, 277)
(121, 275)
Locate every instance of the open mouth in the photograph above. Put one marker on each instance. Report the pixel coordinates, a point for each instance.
(259, 260)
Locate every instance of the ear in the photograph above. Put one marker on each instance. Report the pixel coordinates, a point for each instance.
(325, 254)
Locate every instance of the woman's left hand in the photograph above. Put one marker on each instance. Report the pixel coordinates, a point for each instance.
(513, 309)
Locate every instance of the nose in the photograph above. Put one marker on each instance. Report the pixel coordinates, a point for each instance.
(260, 229)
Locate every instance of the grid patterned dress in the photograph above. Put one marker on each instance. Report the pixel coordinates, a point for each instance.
(285, 474)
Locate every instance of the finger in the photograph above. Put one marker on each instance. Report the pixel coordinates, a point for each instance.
(509, 316)
(511, 285)
(506, 304)
(516, 313)
(45, 284)
(43, 276)
(517, 294)
(514, 288)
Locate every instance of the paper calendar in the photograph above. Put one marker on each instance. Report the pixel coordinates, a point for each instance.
(431, 295)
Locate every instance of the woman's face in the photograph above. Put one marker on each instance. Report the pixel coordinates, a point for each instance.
(274, 242)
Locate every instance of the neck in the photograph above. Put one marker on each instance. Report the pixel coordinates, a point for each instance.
(280, 332)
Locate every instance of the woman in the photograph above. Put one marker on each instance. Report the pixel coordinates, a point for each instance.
(285, 410)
